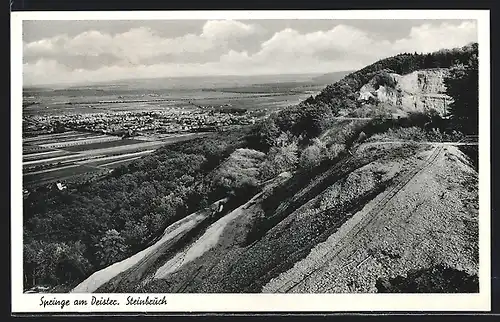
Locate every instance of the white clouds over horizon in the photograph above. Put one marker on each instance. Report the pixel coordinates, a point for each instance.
(98, 56)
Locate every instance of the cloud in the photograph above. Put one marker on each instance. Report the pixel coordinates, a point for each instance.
(142, 52)
(344, 47)
(137, 44)
(428, 38)
(342, 38)
(226, 29)
(345, 41)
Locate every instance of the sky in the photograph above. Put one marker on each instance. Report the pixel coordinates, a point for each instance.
(85, 51)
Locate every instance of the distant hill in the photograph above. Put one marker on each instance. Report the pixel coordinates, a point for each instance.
(187, 82)
(330, 78)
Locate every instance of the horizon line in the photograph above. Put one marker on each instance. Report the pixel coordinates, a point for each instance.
(69, 84)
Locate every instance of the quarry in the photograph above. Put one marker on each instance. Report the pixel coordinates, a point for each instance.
(421, 90)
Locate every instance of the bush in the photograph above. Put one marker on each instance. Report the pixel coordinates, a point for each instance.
(240, 172)
(462, 85)
(317, 152)
(135, 233)
(405, 134)
(314, 120)
(436, 279)
(384, 79)
(267, 170)
(285, 157)
(264, 134)
(334, 150)
(435, 135)
(310, 157)
(279, 159)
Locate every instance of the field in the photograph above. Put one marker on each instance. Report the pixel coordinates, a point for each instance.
(271, 91)
(102, 145)
(203, 98)
(84, 153)
(42, 155)
(32, 149)
(59, 174)
(115, 158)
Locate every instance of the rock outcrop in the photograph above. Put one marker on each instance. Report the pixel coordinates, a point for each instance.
(422, 90)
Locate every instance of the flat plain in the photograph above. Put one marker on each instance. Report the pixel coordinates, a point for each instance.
(64, 156)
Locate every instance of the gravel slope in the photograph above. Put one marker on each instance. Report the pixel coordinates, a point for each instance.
(426, 223)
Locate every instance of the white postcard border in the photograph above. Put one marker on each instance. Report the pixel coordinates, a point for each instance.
(30, 303)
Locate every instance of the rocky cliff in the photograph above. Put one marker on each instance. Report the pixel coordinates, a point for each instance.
(422, 90)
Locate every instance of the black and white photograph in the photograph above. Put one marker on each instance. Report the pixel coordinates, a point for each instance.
(277, 155)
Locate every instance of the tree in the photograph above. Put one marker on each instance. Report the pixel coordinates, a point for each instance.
(280, 158)
(135, 232)
(334, 150)
(32, 262)
(268, 132)
(72, 265)
(54, 262)
(110, 248)
(313, 120)
(462, 85)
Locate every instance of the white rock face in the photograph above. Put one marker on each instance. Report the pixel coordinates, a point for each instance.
(422, 90)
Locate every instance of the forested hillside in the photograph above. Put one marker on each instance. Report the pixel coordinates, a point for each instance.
(71, 233)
